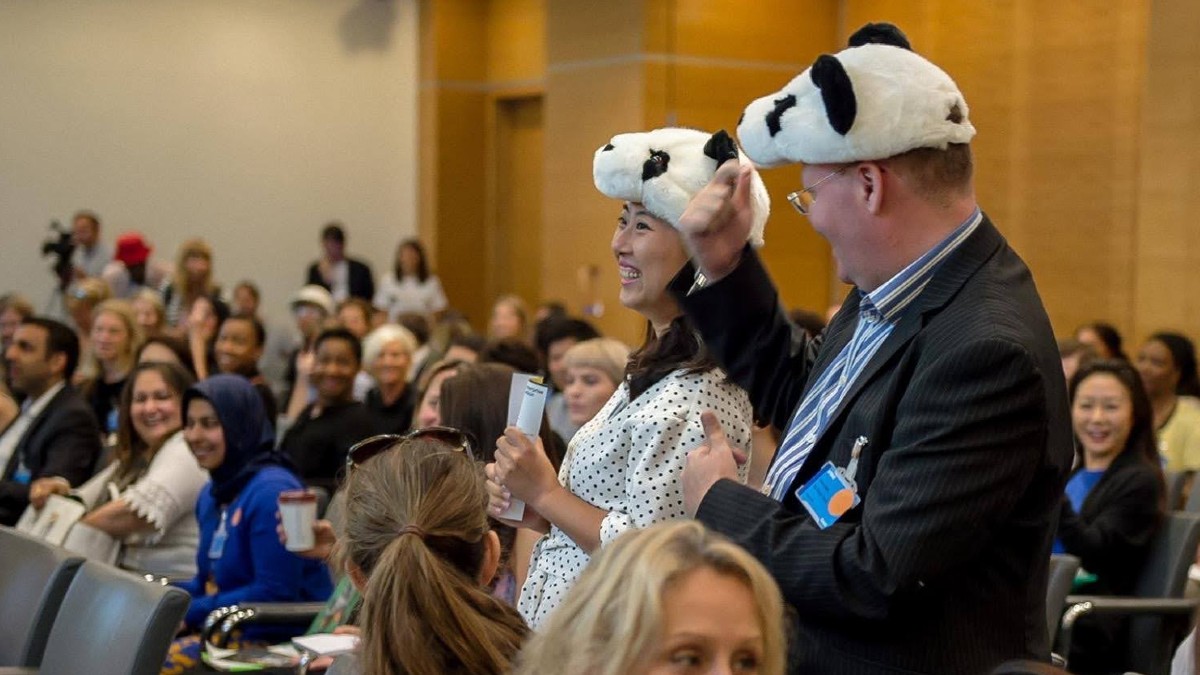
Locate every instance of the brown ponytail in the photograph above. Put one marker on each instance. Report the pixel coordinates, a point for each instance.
(416, 523)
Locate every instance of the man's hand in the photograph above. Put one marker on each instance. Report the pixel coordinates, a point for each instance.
(709, 463)
(718, 219)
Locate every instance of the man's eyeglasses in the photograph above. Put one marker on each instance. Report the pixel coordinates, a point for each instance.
(367, 448)
(803, 199)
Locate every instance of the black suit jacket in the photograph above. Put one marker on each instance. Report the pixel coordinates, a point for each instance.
(63, 440)
(362, 282)
(942, 567)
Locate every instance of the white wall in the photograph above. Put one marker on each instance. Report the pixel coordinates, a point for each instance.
(248, 122)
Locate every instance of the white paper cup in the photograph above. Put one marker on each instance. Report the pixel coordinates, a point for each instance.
(298, 511)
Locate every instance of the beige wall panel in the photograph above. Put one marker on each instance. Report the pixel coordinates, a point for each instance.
(583, 110)
(516, 50)
(1168, 243)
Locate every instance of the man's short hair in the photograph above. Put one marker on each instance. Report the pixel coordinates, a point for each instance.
(250, 287)
(938, 176)
(334, 231)
(340, 334)
(60, 339)
(90, 216)
(552, 330)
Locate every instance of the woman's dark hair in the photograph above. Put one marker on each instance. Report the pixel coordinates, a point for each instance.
(422, 263)
(511, 352)
(417, 528)
(1109, 335)
(132, 453)
(176, 345)
(678, 348)
(1183, 353)
(1142, 441)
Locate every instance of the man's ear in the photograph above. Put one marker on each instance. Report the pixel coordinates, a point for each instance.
(58, 363)
(491, 558)
(870, 177)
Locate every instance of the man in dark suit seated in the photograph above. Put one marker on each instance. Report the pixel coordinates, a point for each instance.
(56, 435)
(343, 277)
(909, 510)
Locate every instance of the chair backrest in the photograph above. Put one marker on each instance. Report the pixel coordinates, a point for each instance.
(34, 577)
(1176, 481)
(1062, 575)
(1164, 575)
(113, 623)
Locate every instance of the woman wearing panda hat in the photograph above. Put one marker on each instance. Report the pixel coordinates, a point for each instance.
(622, 468)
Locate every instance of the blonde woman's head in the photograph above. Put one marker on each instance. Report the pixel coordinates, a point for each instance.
(655, 597)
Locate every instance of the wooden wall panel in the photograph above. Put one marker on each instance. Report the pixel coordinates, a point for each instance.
(1167, 293)
(516, 44)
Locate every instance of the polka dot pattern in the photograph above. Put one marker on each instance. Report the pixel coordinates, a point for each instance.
(627, 461)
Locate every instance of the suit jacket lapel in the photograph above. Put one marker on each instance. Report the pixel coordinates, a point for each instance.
(35, 424)
(945, 283)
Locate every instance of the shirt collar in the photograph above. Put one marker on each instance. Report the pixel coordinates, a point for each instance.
(897, 293)
(33, 409)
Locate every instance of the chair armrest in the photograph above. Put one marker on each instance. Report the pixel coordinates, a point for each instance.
(289, 613)
(1079, 606)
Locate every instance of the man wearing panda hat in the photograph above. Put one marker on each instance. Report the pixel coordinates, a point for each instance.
(909, 510)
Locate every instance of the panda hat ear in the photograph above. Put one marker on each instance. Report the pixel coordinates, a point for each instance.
(874, 100)
(663, 169)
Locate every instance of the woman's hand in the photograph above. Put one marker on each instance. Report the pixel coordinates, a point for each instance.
(499, 499)
(305, 361)
(323, 535)
(42, 488)
(523, 468)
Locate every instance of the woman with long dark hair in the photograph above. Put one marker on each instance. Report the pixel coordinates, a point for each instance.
(410, 286)
(1114, 501)
(1167, 365)
(622, 468)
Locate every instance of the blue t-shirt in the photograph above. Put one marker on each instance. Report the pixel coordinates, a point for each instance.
(1078, 488)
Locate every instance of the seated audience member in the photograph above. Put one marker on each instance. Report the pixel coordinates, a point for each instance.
(55, 434)
(204, 318)
(84, 297)
(343, 277)
(114, 342)
(354, 314)
(13, 310)
(146, 497)
(466, 347)
(1114, 499)
(1103, 338)
(325, 429)
(410, 286)
(91, 254)
(246, 299)
(554, 337)
(1074, 354)
(429, 410)
(150, 313)
(239, 347)
(312, 307)
(594, 370)
(1167, 366)
(166, 349)
(387, 355)
(193, 277)
(240, 557)
(417, 544)
(475, 401)
(510, 319)
(512, 352)
(131, 271)
(672, 598)
(418, 325)
(550, 310)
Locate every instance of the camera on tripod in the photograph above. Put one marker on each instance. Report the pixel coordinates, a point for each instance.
(60, 246)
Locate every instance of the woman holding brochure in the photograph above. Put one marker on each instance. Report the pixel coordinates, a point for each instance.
(622, 468)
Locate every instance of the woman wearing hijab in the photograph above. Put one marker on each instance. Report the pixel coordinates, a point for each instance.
(240, 558)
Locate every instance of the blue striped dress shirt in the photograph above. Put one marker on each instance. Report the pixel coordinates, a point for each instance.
(878, 313)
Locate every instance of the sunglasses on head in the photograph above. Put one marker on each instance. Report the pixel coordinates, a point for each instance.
(367, 448)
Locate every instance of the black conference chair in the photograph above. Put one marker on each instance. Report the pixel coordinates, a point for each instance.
(1062, 576)
(34, 577)
(111, 623)
(1159, 614)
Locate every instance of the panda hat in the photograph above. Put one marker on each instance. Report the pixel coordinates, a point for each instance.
(875, 100)
(663, 169)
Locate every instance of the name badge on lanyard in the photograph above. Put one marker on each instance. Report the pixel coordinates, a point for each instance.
(831, 492)
(217, 547)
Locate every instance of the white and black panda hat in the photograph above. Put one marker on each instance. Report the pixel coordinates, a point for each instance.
(875, 100)
(663, 169)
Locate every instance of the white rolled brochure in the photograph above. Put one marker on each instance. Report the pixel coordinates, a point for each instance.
(526, 404)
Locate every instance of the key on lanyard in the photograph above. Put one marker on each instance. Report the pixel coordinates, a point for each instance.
(851, 468)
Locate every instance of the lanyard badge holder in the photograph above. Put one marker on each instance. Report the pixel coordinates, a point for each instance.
(829, 494)
(217, 548)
